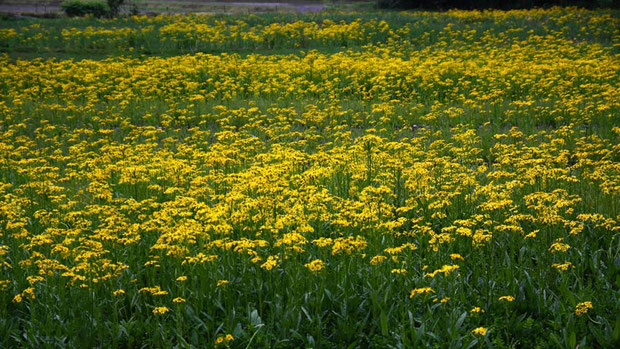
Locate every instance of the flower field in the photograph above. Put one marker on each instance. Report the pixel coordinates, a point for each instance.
(337, 179)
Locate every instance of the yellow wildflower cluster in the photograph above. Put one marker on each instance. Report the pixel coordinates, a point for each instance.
(222, 282)
(583, 307)
(377, 259)
(481, 331)
(224, 339)
(160, 310)
(375, 146)
(559, 246)
(422, 290)
(272, 262)
(445, 270)
(348, 245)
(315, 265)
(476, 310)
(562, 266)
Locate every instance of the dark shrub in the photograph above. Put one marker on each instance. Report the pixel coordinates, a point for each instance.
(115, 7)
(75, 8)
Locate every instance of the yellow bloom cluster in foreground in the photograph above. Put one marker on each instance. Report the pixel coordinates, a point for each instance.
(583, 307)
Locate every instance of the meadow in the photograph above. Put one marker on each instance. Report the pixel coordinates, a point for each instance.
(327, 180)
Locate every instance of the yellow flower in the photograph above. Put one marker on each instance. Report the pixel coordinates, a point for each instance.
(582, 308)
(315, 266)
(224, 339)
(160, 310)
(29, 293)
(422, 290)
(155, 291)
(377, 259)
(476, 310)
(456, 256)
(34, 279)
(222, 282)
(446, 270)
(482, 331)
(348, 245)
(118, 292)
(322, 242)
(563, 266)
(182, 278)
(17, 298)
(507, 298)
(399, 271)
(559, 246)
(179, 300)
(272, 262)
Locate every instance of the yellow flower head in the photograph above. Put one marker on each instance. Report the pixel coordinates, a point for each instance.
(446, 270)
(160, 310)
(476, 310)
(562, 266)
(155, 291)
(507, 298)
(422, 290)
(456, 256)
(224, 339)
(481, 331)
(28, 293)
(315, 266)
(272, 262)
(582, 308)
(377, 259)
(559, 246)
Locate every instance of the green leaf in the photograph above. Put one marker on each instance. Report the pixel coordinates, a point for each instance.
(472, 344)
(460, 321)
(352, 345)
(255, 319)
(572, 339)
(384, 324)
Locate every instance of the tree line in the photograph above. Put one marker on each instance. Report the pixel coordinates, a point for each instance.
(495, 4)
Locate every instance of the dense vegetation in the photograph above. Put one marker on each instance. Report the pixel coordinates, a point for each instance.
(322, 180)
(493, 4)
